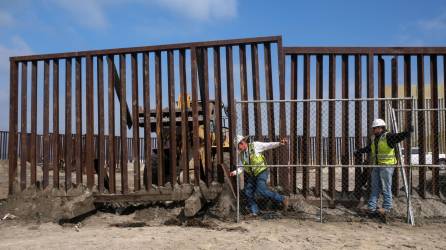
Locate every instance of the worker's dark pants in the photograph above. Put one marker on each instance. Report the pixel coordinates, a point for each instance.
(257, 184)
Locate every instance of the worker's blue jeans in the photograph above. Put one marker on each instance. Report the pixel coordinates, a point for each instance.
(381, 182)
(257, 184)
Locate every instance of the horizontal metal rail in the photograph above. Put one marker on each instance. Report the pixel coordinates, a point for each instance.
(142, 49)
(365, 50)
(324, 100)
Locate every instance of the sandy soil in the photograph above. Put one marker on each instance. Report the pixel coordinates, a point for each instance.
(98, 232)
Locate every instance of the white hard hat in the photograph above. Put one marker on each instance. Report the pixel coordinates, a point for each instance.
(378, 123)
(238, 139)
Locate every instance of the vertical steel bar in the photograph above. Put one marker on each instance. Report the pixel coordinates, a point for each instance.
(370, 107)
(147, 123)
(184, 118)
(231, 104)
(396, 176)
(33, 122)
(13, 120)
(408, 115)
(381, 87)
(101, 137)
(256, 91)
(345, 125)
(78, 149)
(159, 117)
(319, 95)
(421, 128)
(123, 125)
(207, 121)
(218, 113)
(23, 133)
(172, 126)
(111, 123)
(46, 111)
(68, 125)
(56, 148)
(306, 128)
(293, 120)
(271, 116)
(332, 129)
(196, 141)
(244, 88)
(284, 172)
(434, 124)
(135, 129)
(89, 103)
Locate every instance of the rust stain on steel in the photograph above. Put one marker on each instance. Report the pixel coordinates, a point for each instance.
(358, 123)
(89, 103)
(184, 122)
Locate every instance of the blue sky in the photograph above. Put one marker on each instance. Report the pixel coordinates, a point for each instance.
(43, 26)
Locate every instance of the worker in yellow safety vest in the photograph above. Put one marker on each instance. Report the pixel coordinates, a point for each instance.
(382, 152)
(256, 171)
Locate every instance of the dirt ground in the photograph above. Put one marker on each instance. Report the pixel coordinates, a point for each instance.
(114, 232)
(158, 227)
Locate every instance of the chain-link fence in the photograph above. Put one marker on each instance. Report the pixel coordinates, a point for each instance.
(315, 159)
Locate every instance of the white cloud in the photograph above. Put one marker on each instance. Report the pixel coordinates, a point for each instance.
(5, 19)
(437, 23)
(89, 13)
(202, 9)
(18, 47)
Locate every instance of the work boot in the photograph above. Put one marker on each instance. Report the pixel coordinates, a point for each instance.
(383, 214)
(285, 203)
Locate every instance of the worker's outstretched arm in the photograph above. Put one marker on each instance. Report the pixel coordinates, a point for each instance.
(263, 146)
(395, 138)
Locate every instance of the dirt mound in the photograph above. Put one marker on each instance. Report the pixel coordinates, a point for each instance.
(49, 205)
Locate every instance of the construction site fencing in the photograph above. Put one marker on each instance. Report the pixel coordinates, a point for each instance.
(334, 172)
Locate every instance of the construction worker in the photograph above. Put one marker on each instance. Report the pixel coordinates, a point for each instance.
(382, 152)
(256, 171)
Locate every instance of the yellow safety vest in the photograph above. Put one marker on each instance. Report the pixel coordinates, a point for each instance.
(385, 154)
(254, 164)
